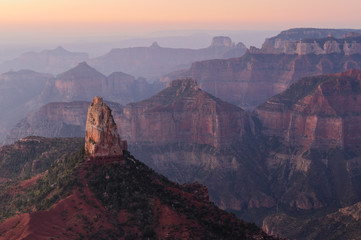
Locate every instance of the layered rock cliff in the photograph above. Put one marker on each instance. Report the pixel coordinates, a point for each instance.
(316, 112)
(287, 39)
(252, 79)
(184, 113)
(189, 135)
(101, 134)
(314, 156)
(348, 44)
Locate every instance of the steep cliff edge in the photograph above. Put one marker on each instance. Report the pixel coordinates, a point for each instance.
(189, 135)
(316, 112)
(348, 44)
(184, 113)
(259, 74)
(288, 39)
(314, 157)
(252, 79)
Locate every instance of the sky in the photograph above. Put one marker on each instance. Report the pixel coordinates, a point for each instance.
(71, 20)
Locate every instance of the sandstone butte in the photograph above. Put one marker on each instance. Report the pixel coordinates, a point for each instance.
(319, 112)
(183, 113)
(101, 134)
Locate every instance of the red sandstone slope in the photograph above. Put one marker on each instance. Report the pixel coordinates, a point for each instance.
(317, 112)
(163, 210)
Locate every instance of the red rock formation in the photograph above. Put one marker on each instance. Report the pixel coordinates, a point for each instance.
(320, 112)
(183, 113)
(252, 79)
(101, 136)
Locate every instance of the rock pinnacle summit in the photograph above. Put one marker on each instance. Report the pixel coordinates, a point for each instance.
(101, 136)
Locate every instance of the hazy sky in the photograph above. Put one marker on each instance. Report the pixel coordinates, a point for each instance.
(76, 19)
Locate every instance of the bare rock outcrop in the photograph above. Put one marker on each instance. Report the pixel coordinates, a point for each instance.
(101, 135)
(348, 44)
(252, 79)
(319, 112)
(289, 40)
(184, 113)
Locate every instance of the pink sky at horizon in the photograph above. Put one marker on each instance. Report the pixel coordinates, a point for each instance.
(83, 17)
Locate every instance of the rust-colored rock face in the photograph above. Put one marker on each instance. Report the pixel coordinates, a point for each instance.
(101, 136)
(262, 73)
(183, 113)
(320, 112)
(252, 79)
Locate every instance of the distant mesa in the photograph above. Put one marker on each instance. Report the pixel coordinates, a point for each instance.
(221, 41)
(154, 61)
(351, 35)
(52, 61)
(154, 45)
(313, 41)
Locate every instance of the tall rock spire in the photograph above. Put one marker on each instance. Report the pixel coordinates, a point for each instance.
(101, 136)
